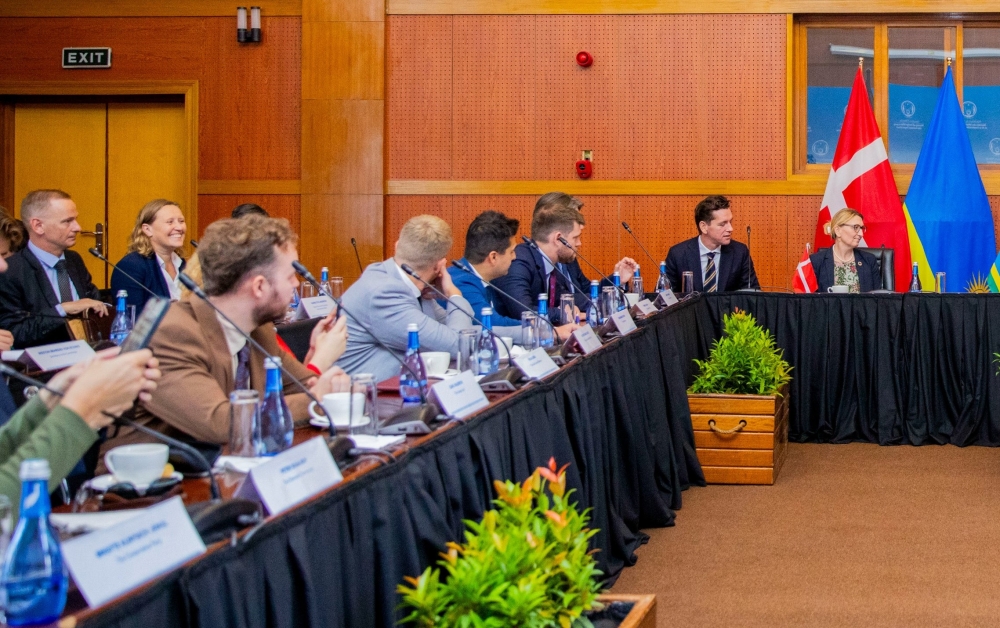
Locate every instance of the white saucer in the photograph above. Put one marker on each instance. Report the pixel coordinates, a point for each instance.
(102, 483)
(338, 423)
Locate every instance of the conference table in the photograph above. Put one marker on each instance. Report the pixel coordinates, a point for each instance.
(886, 368)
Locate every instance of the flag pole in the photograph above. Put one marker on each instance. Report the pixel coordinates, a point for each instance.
(861, 61)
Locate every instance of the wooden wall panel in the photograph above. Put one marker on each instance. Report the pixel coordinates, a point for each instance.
(345, 147)
(419, 115)
(212, 207)
(345, 60)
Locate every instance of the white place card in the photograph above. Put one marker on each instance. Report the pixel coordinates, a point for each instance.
(461, 395)
(58, 355)
(646, 307)
(292, 476)
(623, 321)
(536, 364)
(314, 307)
(587, 339)
(667, 298)
(111, 562)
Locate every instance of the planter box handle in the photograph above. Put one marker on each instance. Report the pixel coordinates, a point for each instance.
(711, 426)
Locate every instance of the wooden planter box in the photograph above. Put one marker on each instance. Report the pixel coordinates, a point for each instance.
(755, 451)
(642, 615)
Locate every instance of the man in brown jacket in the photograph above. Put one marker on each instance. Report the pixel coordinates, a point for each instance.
(248, 274)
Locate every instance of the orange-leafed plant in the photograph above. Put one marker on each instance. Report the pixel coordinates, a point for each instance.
(527, 563)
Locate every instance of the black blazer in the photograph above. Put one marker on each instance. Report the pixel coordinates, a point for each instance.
(147, 271)
(526, 279)
(735, 266)
(868, 271)
(27, 300)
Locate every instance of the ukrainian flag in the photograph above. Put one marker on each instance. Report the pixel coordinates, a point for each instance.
(947, 212)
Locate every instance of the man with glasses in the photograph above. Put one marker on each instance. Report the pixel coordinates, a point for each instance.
(717, 262)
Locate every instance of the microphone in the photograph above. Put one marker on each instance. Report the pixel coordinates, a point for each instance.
(194, 243)
(881, 275)
(93, 251)
(354, 245)
(563, 241)
(751, 274)
(629, 229)
(408, 420)
(459, 266)
(533, 245)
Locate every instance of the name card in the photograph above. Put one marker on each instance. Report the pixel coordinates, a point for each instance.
(314, 307)
(58, 355)
(536, 364)
(667, 298)
(623, 321)
(461, 395)
(292, 476)
(111, 562)
(587, 339)
(646, 307)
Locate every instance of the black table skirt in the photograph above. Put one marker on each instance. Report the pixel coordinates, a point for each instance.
(619, 417)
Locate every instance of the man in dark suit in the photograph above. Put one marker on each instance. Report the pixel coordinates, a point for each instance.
(46, 282)
(536, 270)
(718, 263)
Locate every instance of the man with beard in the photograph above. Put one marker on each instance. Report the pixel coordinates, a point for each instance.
(247, 273)
(537, 271)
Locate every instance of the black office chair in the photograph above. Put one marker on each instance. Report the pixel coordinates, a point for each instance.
(887, 265)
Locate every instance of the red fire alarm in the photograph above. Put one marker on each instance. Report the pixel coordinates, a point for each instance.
(583, 59)
(585, 167)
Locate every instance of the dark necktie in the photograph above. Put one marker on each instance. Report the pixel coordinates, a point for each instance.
(62, 278)
(711, 276)
(552, 288)
(243, 368)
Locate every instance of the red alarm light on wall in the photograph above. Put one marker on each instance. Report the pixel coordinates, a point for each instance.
(585, 167)
(583, 59)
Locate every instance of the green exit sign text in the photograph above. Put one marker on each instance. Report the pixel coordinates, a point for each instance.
(86, 58)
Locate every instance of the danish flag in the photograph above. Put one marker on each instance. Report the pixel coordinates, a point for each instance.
(860, 178)
(805, 278)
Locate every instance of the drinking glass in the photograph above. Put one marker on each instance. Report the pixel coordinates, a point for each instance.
(529, 333)
(308, 290)
(130, 312)
(939, 282)
(687, 282)
(364, 416)
(467, 339)
(336, 287)
(244, 423)
(609, 302)
(567, 306)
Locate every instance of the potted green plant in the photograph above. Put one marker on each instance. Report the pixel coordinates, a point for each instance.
(739, 405)
(527, 563)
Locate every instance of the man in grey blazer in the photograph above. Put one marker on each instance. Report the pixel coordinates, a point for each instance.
(386, 300)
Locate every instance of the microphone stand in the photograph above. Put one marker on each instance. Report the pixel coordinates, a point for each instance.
(563, 241)
(194, 243)
(533, 245)
(467, 269)
(93, 251)
(750, 273)
(629, 229)
(357, 256)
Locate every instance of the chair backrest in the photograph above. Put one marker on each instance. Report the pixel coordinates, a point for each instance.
(887, 265)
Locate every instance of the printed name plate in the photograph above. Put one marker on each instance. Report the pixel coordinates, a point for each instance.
(667, 298)
(292, 476)
(314, 307)
(587, 339)
(461, 395)
(111, 562)
(623, 321)
(646, 307)
(58, 355)
(536, 364)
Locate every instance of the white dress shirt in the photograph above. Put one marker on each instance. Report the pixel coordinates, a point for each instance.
(234, 340)
(173, 283)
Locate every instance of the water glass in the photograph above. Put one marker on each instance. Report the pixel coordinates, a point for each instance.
(307, 290)
(609, 302)
(529, 331)
(130, 313)
(467, 339)
(336, 287)
(364, 417)
(939, 282)
(244, 423)
(567, 309)
(687, 282)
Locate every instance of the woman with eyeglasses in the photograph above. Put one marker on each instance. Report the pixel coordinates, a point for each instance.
(843, 264)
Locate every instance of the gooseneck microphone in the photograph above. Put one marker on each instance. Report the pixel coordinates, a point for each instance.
(357, 256)
(752, 274)
(194, 243)
(93, 251)
(467, 269)
(634, 237)
(597, 270)
(562, 274)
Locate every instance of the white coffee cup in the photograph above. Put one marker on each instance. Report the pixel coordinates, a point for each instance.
(138, 464)
(838, 289)
(337, 408)
(632, 298)
(502, 344)
(436, 362)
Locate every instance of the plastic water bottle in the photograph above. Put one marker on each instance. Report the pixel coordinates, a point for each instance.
(487, 353)
(637, 283)
(122, 325)
(324, 280)
(594, 317)
(276, 422)
(293, 307)
(34, 576)
(915, 280)
(410, 388)
(544, 332)
(662, 284)
(616, 278)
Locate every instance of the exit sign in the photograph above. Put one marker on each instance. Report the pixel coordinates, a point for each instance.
(86, 58)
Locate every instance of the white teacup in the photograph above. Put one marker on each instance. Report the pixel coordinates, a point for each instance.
(632, 298)
(838, 289)
(504, 342)
(337, 408)
(436, 362)
(138, 464)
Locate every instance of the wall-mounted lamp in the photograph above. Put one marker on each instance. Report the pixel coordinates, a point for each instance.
(255, 24)
(241, 25)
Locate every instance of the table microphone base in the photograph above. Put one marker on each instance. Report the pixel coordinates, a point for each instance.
(411, 420)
